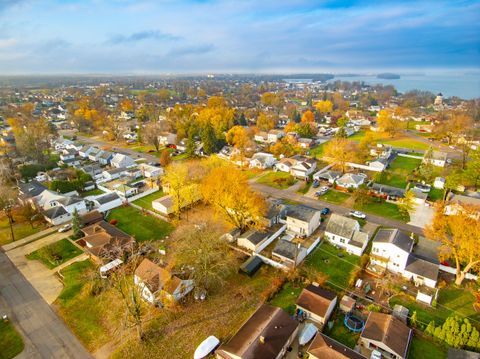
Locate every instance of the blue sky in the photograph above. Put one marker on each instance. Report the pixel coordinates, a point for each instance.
(168, 36)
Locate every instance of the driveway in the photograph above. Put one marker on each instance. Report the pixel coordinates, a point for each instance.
(45, 335)
(421, 216)
(42, 278)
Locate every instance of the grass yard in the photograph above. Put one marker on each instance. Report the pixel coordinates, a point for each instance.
(287, 297)
(93, 318)
(318, 151)
(280, 180)
(398, 172)
(405, 163)
(306, 187)
(384, 209)
(180, 157)
(451, 301)
(335, 263)
(146, 202)
(436, 194)
(402, 141)
(93, 192)
(56, 253)
(334, 196)
(180, 331)
(11, 343)
(426, 348)
(142, 227)
(252, 172)
(340, 332)
(20, 230)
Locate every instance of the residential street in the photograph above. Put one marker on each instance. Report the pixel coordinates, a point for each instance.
(45, 335)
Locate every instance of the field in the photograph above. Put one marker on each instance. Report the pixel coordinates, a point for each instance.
(11, 343)
(402, 141)
(384, 209)
(450, 301)
(425, 348)
(93, 318)
(146, 202)
(398, 172)
(180, 331)
(142, 227)
(335, 263)
(334, 196)
(280, 180)
(56, 253)
(20, 230)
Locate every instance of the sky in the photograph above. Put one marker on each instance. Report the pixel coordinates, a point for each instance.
(262, 36)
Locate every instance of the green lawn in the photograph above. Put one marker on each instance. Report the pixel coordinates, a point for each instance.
(451, 301)
(326, 259)
(11, 343)
(318, 151)
(146, 202)
(334, 196)
(90, 317)
(405, 163)
(382, 208)
(412, 124)
(20, 230)
(340, 332)
(398, 172)
(425, 348)
(401, 141)
(280, 180)
(56, 253)
(93, 192)
(142, 227)
(287, 297)
(436, 194)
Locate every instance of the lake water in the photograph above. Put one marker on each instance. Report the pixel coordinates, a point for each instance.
(466, 86)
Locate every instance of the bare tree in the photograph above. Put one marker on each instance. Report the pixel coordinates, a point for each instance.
(7, 202)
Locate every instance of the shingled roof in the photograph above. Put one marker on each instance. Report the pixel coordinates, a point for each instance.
(315, 299)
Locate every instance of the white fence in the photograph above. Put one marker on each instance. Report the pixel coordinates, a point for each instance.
(271, 239)
(410, 156)
(143, 194)
(364, 167)
(273, 263)
(453, 271)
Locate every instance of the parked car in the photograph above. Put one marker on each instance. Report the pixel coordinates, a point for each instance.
(357, 214)
(425, 188)
(65, 228)
(316, 184)
(325, 211)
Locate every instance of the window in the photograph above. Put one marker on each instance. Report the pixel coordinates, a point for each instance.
(342, 240)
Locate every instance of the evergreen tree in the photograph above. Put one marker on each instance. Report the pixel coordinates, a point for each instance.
(209, 140)
(190, 148)
(413, 319)
(76, 224)
(341, 133)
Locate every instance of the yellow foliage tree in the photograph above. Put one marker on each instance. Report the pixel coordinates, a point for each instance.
(324, 106)
(339, 151)
(308, 117)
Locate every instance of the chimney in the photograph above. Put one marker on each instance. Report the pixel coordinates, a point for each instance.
(262, 339)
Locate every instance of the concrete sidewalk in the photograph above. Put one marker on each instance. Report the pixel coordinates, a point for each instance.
(26, 240)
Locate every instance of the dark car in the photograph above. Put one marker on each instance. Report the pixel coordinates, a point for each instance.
(139, 184)
(325, 211)
(316, 184)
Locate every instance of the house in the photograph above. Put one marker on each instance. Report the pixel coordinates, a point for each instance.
(285, 164)
(305, 143)
(105, 241)
(267, 334)
(105, 158)
(262, 160)
(167, 138)
(95, 170)
(302, 220)
(164, 205)
(439, 183)
(252, 239)
(317, 303)
(345, 233)
(456, 203)
(304, 167)
(28, 192)
(57, 215)
(120, 160)
(261, 137)
(159, 286)
(95, 154)
(126, 191)
(68, 154)
(350, 180)
(289, 253)
(392, 250)
(91, 217)
(386, 334)
(275, 135)
(323, 347)
(106, 202)
(386, 192)
(58, 208)
(437, 158)
(329, 176)
(85, 151)
(114, 173)
(149, 171)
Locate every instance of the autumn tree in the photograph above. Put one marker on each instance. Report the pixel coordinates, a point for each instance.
(340, 151)
(388, 124)
(265, 122)
(472, 172)
(228, 191)
(240, 138)
(459, 238)
(324, 106)
(308, 117)
(407, 203)
(150, 134)
(7, 202)
(32, 137)
(205, 254)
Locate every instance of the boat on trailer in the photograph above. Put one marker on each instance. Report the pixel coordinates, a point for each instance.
(206, 347)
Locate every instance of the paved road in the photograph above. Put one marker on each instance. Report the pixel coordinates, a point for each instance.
(282, 194)
(45, 335)
(315, 203)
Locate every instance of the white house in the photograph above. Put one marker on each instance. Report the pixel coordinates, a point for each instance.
(262, 160)
(317, 303)
(85, 151)
(164, 204)
(150, 171)
(437, 158)
(68, 154)
(275, 135)
(167, 138)
(330, 176)
(285, 164)
(105, 158)
(305, 143)
(126, 191)
(120, 160)
(345, 232)
(95, 154)
(350, 180)
(439, 183)
(106, 202)
(302, 220)
(159, 286)
(114, 173)
(303, 168)
(261, 137)
(253, 240)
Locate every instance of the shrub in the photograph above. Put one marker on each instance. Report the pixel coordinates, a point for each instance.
(113, 222)
(373, 308)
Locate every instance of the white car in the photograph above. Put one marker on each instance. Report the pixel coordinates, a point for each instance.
(65, 228)
(357, 214)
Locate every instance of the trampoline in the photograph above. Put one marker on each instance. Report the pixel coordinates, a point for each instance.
(353, 323)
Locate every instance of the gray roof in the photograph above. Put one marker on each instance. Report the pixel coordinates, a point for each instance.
(301, 212)
(32, 188)
(254, 237)
(388, 190)
(422, 267)
(55, 212)
(427, 249)
(286, 249)
(462, 354)
(116, 170)
(109, 197)
(68, 200)
(341, 226)
(329, 175)
(396, 237)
